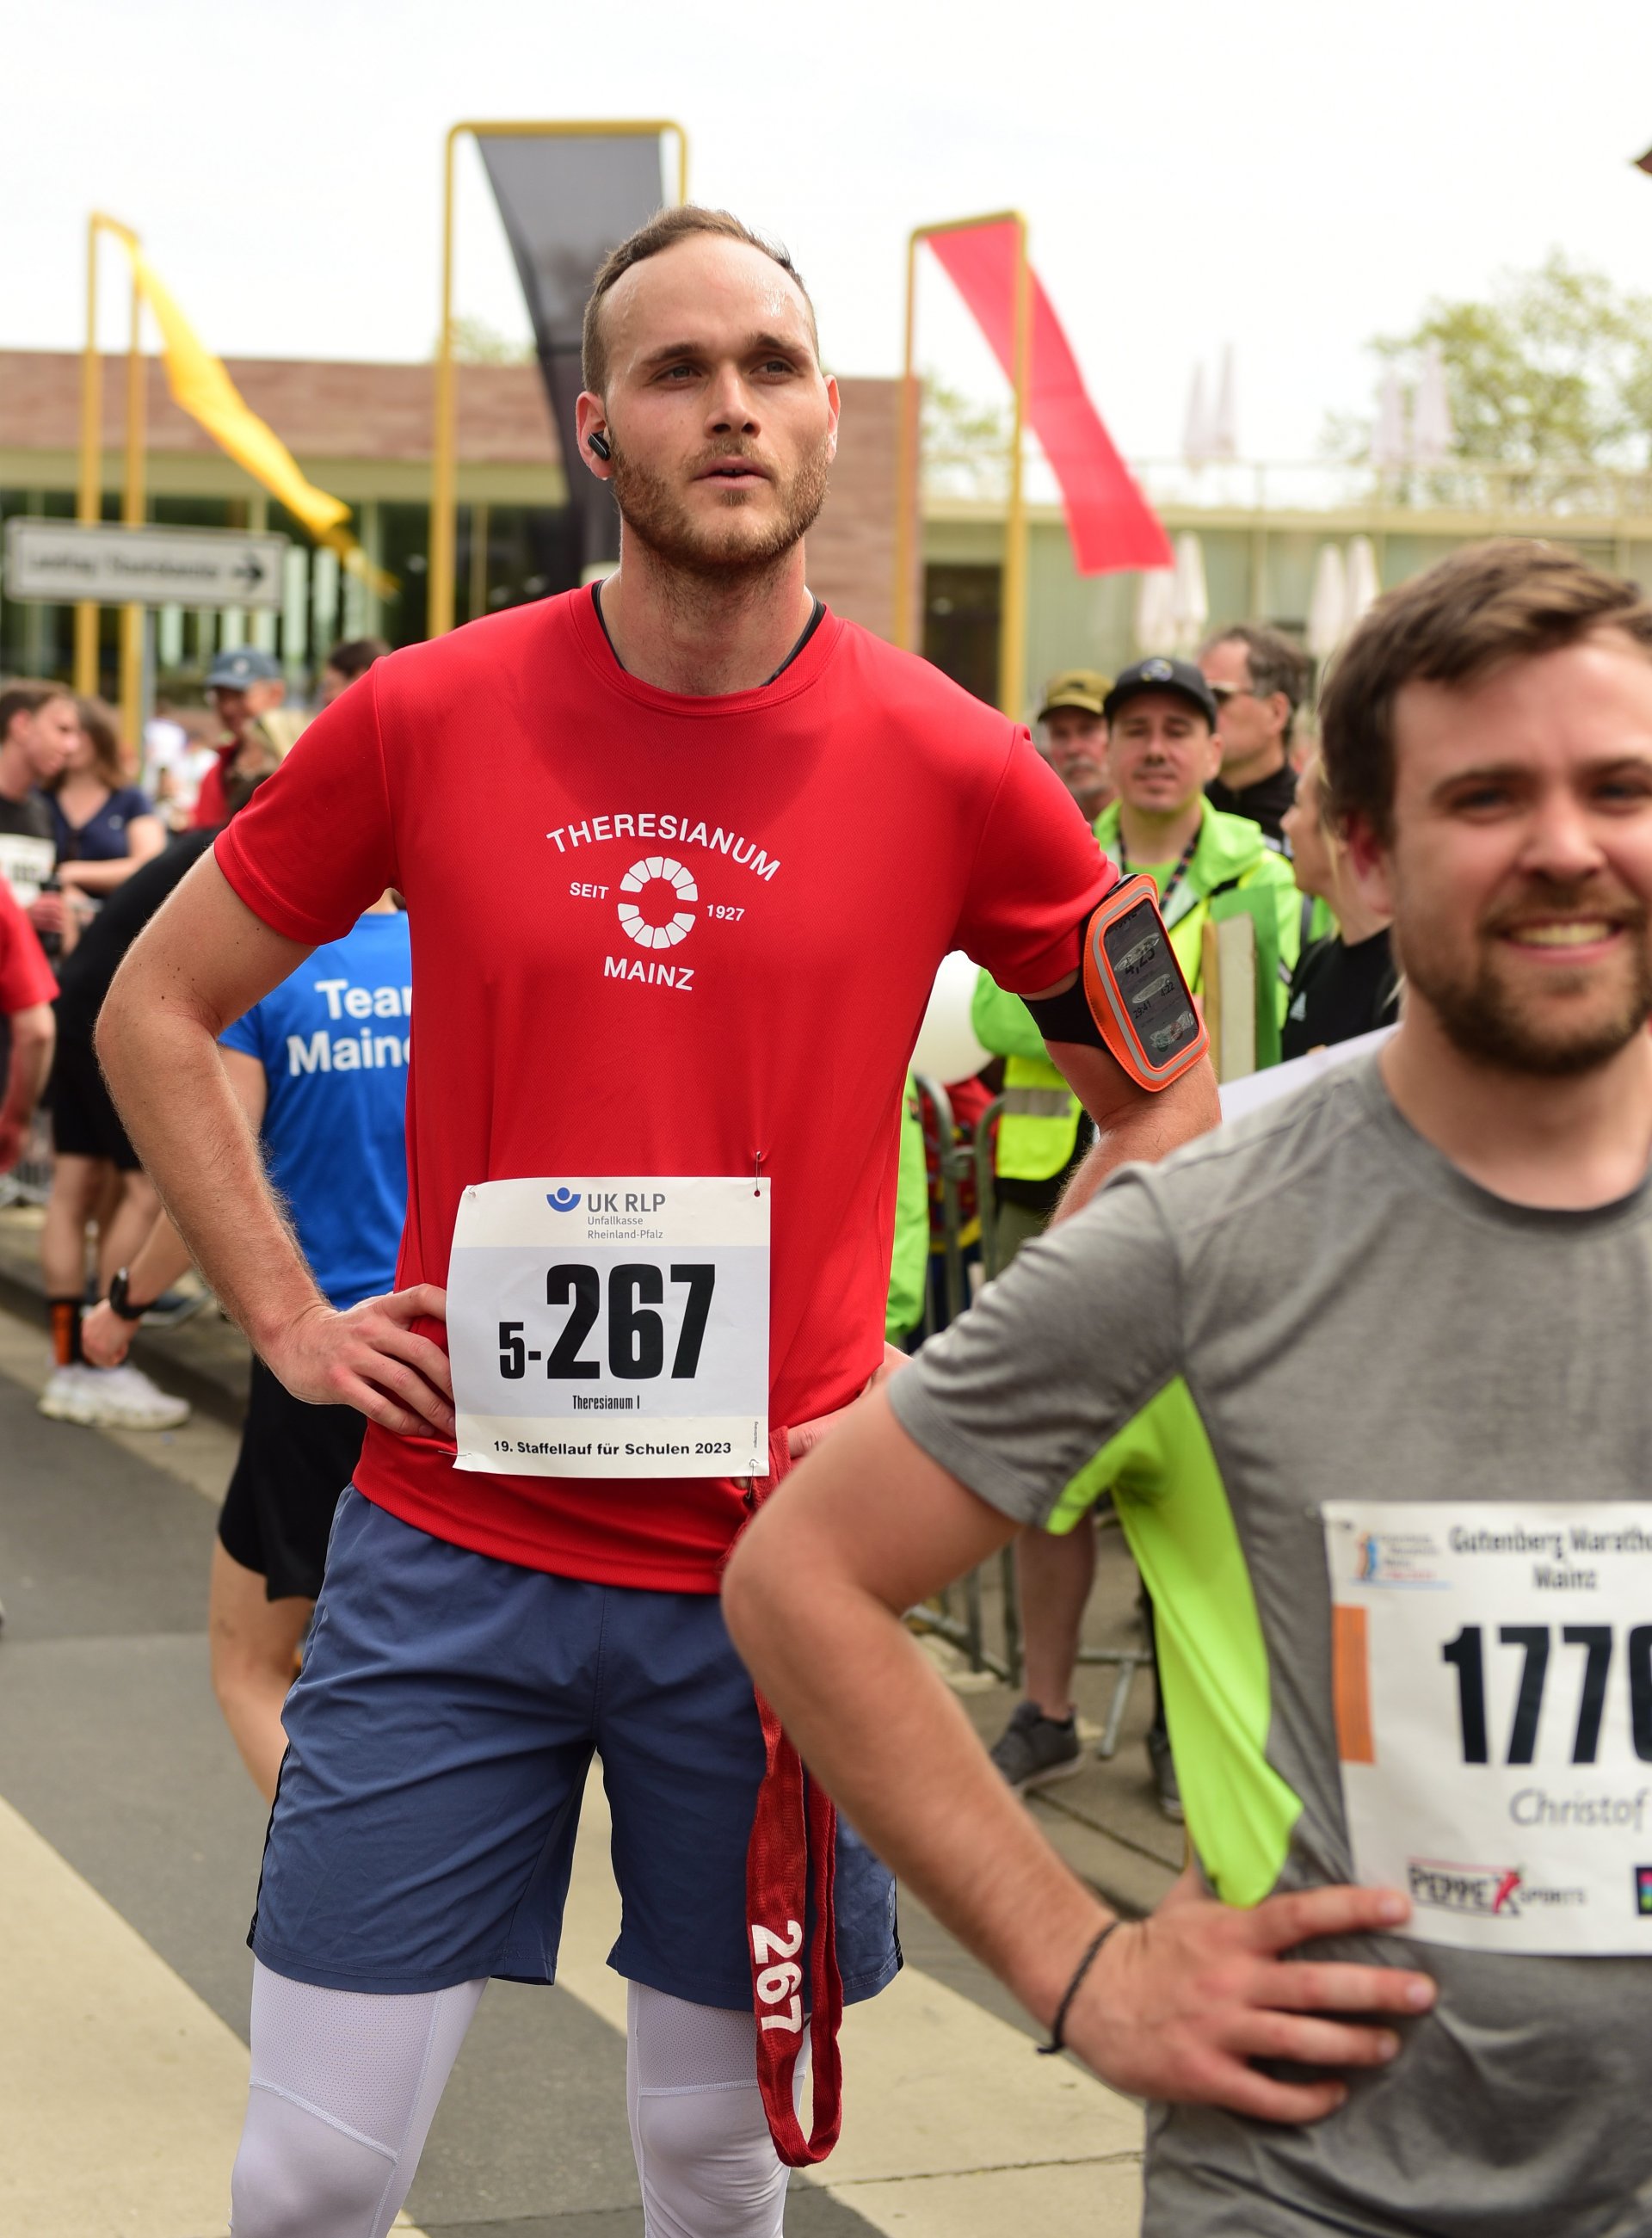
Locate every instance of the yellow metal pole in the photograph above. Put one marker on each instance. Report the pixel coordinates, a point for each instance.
(908, 504)
(132, 512)
(1012, 636)
(90, 503)
(444, 463)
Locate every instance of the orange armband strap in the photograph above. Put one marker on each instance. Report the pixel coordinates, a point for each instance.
(1136, 990)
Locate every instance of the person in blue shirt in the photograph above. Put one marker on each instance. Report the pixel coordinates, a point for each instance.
(319, 1067)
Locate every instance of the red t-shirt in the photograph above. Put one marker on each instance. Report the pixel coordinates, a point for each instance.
(846, 825)
(212, 804)
(25, 976)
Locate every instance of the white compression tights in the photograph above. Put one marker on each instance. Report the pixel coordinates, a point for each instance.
(345, 2086)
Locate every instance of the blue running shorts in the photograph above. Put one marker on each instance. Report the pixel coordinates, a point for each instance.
(440, 1733)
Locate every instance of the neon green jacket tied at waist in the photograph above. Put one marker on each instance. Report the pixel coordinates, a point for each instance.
(1232, 870)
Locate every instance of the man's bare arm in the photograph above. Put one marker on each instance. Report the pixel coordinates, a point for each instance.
(200, 962)
(106, 1336)
(1177, 2007)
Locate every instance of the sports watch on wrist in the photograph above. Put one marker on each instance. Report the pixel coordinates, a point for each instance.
(120, 1299)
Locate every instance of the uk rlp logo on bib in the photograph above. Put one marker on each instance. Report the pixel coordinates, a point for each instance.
(611, 1327)
(1492, 1675)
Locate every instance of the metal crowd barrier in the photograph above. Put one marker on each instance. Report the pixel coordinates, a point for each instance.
(958, 1613)
(966, 1627)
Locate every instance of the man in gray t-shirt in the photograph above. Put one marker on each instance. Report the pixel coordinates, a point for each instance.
(1378, 1357)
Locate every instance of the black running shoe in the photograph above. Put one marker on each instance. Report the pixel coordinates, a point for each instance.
(1163, 1776)
(1032, 1750)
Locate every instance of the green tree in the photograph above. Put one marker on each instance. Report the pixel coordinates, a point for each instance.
(476, 343)
(966, 443)
(1553, 366)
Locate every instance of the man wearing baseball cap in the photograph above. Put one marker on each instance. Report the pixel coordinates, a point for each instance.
(243, 683)
(1073, 735)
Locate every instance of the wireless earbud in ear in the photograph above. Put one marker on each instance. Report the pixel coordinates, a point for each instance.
(599, 443)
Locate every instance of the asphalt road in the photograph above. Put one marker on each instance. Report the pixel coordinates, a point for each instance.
(130, 1841)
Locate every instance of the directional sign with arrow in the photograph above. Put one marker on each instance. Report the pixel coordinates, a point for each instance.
(63, 561)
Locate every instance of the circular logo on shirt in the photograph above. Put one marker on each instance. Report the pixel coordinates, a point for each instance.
(656, 918)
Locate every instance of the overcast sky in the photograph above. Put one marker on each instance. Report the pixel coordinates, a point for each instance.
(1291, 176)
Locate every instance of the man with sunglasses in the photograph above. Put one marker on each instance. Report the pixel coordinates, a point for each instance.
(1258, 679)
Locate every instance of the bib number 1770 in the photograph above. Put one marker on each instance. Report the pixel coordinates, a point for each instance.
(1535, 1643)
(633, 1335)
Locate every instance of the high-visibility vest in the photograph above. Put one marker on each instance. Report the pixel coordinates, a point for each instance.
(1038, 1130)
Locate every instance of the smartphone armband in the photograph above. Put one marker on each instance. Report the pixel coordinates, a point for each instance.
(1135, 988)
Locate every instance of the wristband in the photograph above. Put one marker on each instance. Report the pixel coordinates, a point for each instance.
(1057, 2026)
(120, 1299)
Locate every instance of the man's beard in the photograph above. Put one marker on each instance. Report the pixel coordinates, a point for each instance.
(1482, 1019)
(656, 516)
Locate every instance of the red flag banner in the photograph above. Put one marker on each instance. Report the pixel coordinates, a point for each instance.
(1110, 522)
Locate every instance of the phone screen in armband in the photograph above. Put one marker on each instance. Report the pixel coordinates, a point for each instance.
(1137, 992)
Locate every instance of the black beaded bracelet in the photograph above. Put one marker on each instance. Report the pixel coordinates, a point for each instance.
(1057, 2026)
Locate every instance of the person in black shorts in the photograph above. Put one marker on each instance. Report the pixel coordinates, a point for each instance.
(334, 1140)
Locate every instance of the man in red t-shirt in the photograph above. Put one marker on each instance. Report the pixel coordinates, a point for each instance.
(681, 855)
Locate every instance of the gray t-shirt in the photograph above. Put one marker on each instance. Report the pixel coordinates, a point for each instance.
(1344, 1314)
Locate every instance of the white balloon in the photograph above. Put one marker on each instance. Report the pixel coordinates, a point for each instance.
(947, 1049)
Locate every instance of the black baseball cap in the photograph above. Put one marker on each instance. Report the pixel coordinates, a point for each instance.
(1160, 674)
(245, 664)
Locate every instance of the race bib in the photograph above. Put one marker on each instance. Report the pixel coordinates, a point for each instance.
(1492, 1669)
(611, 1327)
(25, 864)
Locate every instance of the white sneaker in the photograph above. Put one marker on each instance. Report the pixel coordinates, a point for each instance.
(124, 1398)
(63, 1399)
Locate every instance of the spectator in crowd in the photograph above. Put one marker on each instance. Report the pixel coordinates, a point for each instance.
(96, 1179)
(909, 1255)
(242, 684)
(1162, 751)
(38, 728)
(353, 657)
(1346, 984)
(177, 753)
(1073, 738)
(1259, 679)
(1042, 1133)
(1207, 864)
(104, 826)
(333, 1138)
(27, 1031)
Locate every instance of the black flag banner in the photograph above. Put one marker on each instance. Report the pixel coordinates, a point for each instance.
(565, 201)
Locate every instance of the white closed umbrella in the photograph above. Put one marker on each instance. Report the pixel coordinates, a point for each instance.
(1190, 599)
(1432, 431)
(1328, 606)
(1390, 449)
(1224, 426)
(1362, 585)
(1156, 611)
(1195, 434)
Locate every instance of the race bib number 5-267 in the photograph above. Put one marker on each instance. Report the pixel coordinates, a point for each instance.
(611, 1327)
(1492, 1668)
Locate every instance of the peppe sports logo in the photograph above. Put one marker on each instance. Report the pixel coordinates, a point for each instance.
(635, 926)
(562, 1199)
(1491, 1891)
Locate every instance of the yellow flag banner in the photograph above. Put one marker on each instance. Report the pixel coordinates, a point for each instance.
(202, 387)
